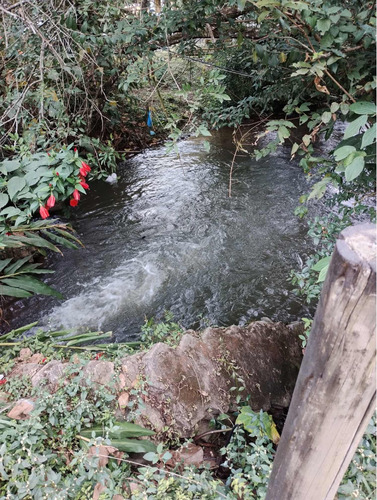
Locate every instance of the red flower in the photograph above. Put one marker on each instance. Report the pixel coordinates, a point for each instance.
(97, 356)
(76, 195)
(3, 381)
(84, 169)
(44, 212)
(84, 185)
(86, 166)
(51, 201)
(9, 233)
(43, 360)
(73, 202)
(75, 149)
(57, 173)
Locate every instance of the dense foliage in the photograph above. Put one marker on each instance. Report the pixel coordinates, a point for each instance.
(72, 447)
(85, 74)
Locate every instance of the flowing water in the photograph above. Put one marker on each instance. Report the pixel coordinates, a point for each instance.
(168, 237)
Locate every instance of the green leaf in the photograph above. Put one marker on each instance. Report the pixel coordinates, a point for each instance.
(14, 292)
(326, 117)
(354, 127)
(343, 152)
(369, 137)
(32, 285)
(37, 241)
(363, 108)
(133, 445)
(355, 168)
(58, 239)
(241, 4)
(334, 107)
(322, 263)
(16, 265)
(122, 430)
(10, 211)
(319, 188)
(323, 25)
(283, 133)
(15, 184)
(3, 199)
(4, 263)
(11, 165)
(322, 274)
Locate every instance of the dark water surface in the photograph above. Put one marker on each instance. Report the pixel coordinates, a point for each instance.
(168, 237)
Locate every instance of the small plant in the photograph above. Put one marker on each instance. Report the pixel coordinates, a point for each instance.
(307, 327)
(165, 331)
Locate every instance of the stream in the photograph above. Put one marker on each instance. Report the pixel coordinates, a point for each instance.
(166, 236)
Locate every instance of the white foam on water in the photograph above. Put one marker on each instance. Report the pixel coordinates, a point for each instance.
(131, 286)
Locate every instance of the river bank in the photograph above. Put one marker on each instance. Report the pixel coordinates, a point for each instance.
(66, 414)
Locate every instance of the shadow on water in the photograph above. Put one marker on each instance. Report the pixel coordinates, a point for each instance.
(168, 237)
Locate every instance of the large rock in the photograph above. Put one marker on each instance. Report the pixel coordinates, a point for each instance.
(191, 383)
(182, 388)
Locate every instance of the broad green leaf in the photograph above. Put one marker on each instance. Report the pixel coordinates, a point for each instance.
(363, 108)
(4, 198)
(10, 211)
(369, 137)
(321, 263)
(11, 165)
(323, 25)
(15, 184)
(355, 168)
(283, 133)
(343, 152)
(323, 274)
(326, 117)
(354, 127)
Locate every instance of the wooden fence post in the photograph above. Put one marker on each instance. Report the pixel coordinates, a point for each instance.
(334, 396)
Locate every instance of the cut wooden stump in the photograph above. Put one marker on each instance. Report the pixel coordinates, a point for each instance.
(334, 396)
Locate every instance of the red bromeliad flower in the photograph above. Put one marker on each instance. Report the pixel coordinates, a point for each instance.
(73, 202)
(84, 184)
(51, 201)
(76, 195)
(3, 381)
(44, 212)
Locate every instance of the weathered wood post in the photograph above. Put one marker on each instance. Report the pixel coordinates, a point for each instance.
(334, 396)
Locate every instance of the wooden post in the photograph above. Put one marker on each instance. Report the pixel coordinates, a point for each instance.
(334, 396)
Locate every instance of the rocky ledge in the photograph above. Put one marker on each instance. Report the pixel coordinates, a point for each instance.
(184, 387)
